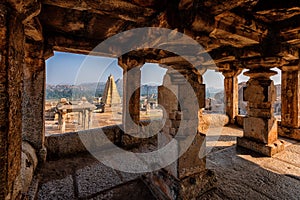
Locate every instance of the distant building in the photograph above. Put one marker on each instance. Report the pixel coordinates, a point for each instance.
(111, 95)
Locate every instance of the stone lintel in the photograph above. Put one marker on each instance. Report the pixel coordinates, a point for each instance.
(264, 149)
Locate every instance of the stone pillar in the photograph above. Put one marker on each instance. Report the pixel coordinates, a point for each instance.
(131, 92)
(231, 94)
(187, 177)
(260, 125)
(12, 39)
(33, 128)
(290, 97)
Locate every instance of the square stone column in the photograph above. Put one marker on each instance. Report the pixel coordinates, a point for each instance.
(12, 40)
(260, 125)
(231, 94)
(33, 128)
(182, 97)
(290, 97)
(131, 93)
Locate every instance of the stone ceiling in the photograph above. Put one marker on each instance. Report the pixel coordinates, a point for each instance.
(236, 33)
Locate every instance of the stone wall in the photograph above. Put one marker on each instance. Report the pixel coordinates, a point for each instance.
(70, 144)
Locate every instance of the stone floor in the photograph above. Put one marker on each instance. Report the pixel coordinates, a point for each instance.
(240, 173)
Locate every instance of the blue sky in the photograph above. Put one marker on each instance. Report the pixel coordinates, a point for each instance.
(66, 68)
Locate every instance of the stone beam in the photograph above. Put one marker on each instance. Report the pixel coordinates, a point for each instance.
(217, 7)
(121, 9)
(291, 36)
(277, 14)
(236, 31)
(290, 97)
(60, 42)
(263, 62)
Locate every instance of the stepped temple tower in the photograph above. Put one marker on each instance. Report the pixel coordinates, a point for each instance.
(111, 95)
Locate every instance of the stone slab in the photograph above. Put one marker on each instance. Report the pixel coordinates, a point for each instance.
(135, 190)
(236, 173)
(294, 148)
(289, 157)
(282, 167)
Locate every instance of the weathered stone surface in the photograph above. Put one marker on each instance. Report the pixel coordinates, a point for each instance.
(133, 190)
(242, 172)
(57, 189)
(28, 165)
(208, 121)
(231, 94)
(131, 98)
(33, 98)
(62, 145)
(262, 130)
(266, 149)
(190, 187)
(290, 122)
(94, 179)
(260, 126)
(12, 40)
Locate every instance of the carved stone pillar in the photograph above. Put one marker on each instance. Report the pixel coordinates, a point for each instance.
(131, 92)
(260, 125)
(231, 94)
(290, 97)
(187, 177)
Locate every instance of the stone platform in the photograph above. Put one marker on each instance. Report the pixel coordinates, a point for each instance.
(240, 174)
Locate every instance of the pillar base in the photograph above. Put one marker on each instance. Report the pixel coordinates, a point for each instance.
(293, 133)
(166, 186)
(265, 149)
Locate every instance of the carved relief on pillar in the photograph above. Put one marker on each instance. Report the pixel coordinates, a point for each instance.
(290, 97)
(260, 125)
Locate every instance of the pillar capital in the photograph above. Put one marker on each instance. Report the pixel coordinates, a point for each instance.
(232, 73)
(129, 62)
(264, 62)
